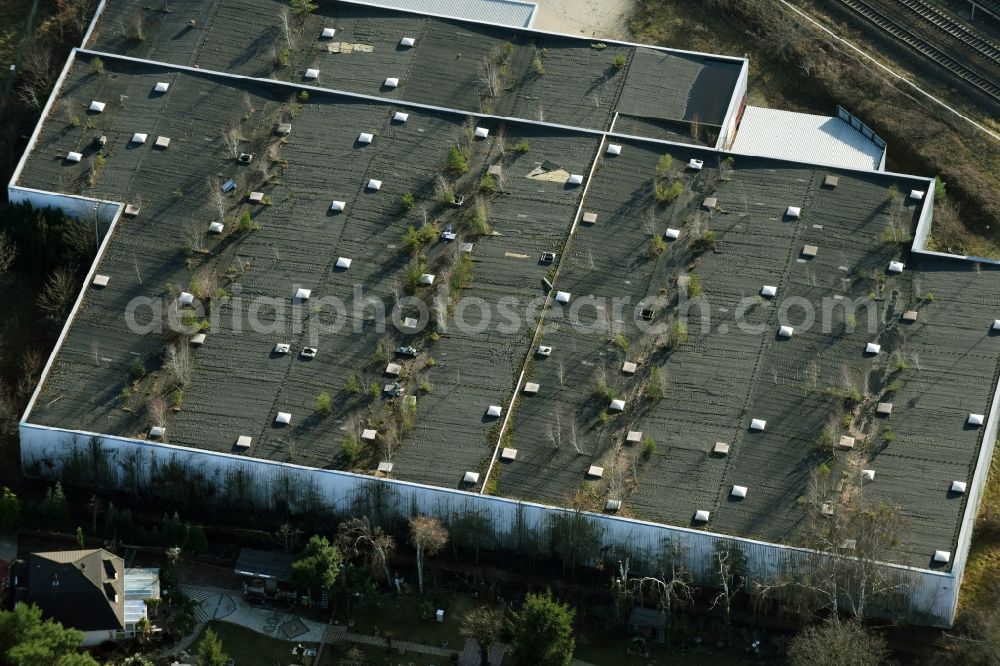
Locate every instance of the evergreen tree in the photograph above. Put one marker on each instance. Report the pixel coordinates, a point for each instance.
(10, 510)
(542, 632)
(27, 640)
(210, 650)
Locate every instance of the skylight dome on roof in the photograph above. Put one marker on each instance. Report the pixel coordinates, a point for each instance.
(702, 516)
(793, 211)
(343, 262)
(629, 367)
(391, 82)
(365, 137)
(74, 157)
(162, 142)
(917, 195)
(562, 296)
(374, 184)
(198, 340)
(975, 419)
(100, 280)
(338, 206)
(369, 434)
(482, 132)
(873, 348)
(508, 454)
(696, 164)
(758, 424)
(543, 350)
(400, 117)
(244, 441)
(957, 487)
(427, 278)
(328, 33)
(97, 107)
(407, 42)
(574, 179)
(896, 267)
(186, 298)
(672, 234)
(157, 431)
(786, 331)
(161, 87)
(139, 137)
(942, 556)
(769, 291)
(393, 369)
(739, 491)
(589, 218)
(617, 405)
(302, 294)
(283, 418)
(614, 149)
(867, 475)
(494, 411)
(531, 388)
(633, 436)
(281, 348)
(471, 478)
(311, 73)
(595, 471)
(996, 325)
(216, 227)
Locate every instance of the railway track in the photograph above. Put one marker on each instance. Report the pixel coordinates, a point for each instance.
(981, 83)
(949, 26)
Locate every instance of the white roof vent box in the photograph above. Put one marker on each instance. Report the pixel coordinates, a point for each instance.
(97, 107)
(696, 165)
(896, 266)
(407, 42)
(400, 117)
(758, 424)
(738, 492)
(574, 179)
(283, 418)
(338, 206)
(328, 33)
(702, 516)
(161, 87)
(974, 420)
(482, 132)
(793, 212)
(73, 157)
(614, 149)
(311, 74)
(390, 82)
(917, 195)
(374, 184)
(365, 137)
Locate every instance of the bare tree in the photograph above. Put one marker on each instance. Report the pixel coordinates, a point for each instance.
(285, 23)
(490, 78)
(482, 624)
(357, 538)
(193, 236)
(8, 251)
(37, 75)
(428, 536)
(57, 294)
(672, 585)
(94, 505)
(232, 139)
(217, 199)
(287, 535)
(31, 366)
(157, 408)
(837, 643)
(729, 565)
(179, 363)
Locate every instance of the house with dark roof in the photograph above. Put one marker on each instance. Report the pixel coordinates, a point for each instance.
(82, 589)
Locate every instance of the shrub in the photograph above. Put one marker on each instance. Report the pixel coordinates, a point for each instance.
(889, 435)
(604, 392)
(461, 278)
(666, 194)
(353, 385)
(654, 389)
(939, 189)
(431, 361)
(521, 146)
(414, 270)
(456, 161)
(618, 61)
(97, 66)
(138, 370)
(247, 223)
(929, 297)
(302, 7)
(282, 56)
(536, 64)
(75, 121)
(480, 226)
(488, 183)
(177, 398)
(304, 95)
(648, 448)
(664, 164)
(324, 405)
(374, 389)
(415, 239)
(408, 201)
(694, 286)
(353, 449)
(620, 341)
(424, 386)
(657, 245)
(678, 335)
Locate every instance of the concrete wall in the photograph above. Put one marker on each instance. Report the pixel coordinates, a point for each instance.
(178, 473)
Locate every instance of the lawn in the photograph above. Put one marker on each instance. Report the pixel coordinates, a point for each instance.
(249, 648)
(410, 618)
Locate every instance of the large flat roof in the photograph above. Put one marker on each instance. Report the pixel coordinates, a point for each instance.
(534, 75)
(611, 238)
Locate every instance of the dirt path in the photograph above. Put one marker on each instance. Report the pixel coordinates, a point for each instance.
(593, 18)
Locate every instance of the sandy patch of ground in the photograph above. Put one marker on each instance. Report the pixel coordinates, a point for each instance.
(593, 18)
